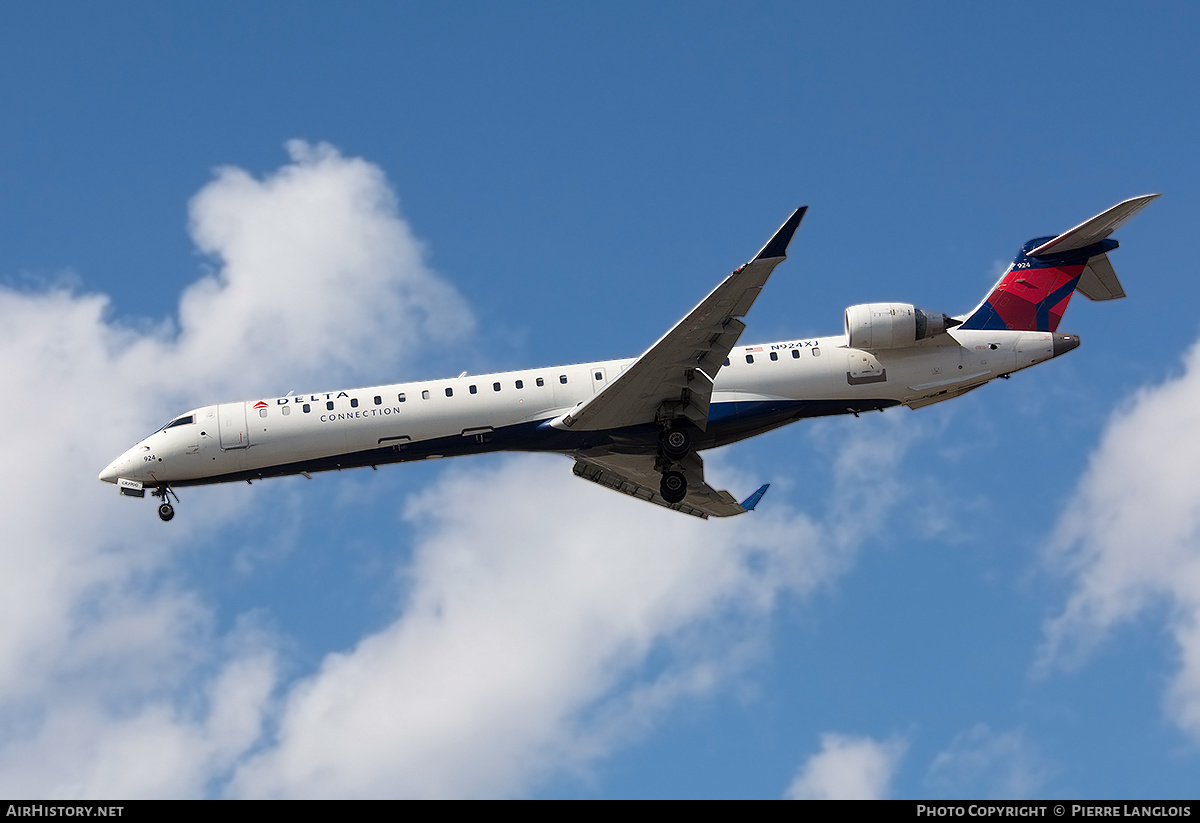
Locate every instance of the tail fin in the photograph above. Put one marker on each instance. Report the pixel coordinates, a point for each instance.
(1033, 293)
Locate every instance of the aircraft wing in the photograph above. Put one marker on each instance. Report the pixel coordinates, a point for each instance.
(635, 475)
(675, 376)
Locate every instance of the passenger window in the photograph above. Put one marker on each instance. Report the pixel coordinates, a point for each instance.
(774, 355)
(354, 402)
(400, 397)
(262, 412)
(540, 382)
(562, 378)
(795, 354)
(473, 390)
(307, 408)
(495, 387)
(816, 352)
(378, 400)
(726, 361)
(749, 358)
(520, 384)
(449, 392)
(425, 394)
(287, 410)
(329, 405)
(599, 375)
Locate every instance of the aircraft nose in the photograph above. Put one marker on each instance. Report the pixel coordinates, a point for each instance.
(109, 475)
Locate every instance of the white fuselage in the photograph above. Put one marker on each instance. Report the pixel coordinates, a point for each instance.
(762, 387)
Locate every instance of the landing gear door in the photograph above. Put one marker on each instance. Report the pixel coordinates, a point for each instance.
(232, 420)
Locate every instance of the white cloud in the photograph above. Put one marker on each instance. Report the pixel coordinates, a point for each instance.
(848, 768)
(170, 744)
(1130, 538)
(315, 272)
(983, 763)
(98, 648)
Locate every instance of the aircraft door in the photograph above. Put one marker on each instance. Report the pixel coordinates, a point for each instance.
(207, 450)
(598, 379)
(231, 418)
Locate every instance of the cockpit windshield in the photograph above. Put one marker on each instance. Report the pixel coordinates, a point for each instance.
(180, 421)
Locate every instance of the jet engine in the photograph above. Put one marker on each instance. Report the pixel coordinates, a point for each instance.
(892, 325)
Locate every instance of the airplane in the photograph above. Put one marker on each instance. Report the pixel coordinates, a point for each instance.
(637, 425)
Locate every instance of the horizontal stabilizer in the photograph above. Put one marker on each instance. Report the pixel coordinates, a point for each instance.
(1094, 230)
(1099, 281)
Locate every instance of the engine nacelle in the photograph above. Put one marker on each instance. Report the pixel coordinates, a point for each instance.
(892, 325)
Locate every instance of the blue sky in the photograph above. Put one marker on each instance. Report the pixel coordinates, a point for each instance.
(994, 597)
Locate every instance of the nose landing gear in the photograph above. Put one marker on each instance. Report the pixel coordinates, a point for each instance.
(165, 510)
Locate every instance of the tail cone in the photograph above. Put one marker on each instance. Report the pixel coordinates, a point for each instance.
(1063, 343)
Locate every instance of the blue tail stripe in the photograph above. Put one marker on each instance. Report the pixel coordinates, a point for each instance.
(1055, 297)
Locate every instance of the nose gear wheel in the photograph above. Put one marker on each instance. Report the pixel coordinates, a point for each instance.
(165, 510)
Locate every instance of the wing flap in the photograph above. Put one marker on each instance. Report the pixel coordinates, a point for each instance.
(698, 399)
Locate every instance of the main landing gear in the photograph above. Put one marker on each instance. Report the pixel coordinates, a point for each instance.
(674, 444)
(165, 510)
(673, 487)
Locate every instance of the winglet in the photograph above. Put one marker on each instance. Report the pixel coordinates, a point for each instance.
(750, 502)
(777, 245)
